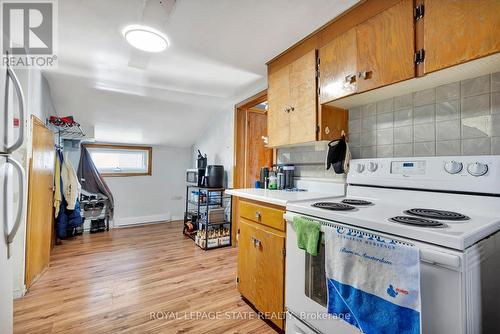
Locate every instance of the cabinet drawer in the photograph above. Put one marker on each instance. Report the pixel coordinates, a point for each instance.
(265, 215)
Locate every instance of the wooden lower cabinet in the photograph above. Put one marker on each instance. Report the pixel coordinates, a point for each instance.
(261, 263)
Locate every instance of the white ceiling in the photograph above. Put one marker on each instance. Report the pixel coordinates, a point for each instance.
(217, 57)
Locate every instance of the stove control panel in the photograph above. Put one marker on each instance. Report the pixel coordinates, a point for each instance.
(474, 174)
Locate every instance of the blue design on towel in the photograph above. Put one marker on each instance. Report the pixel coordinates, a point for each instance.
(372, 313)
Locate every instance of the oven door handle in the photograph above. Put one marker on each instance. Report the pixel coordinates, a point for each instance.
(439, 258)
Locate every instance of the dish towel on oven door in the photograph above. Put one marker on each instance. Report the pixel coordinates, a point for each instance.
(373, 283)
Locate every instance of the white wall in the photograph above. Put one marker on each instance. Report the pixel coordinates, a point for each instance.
(159, 197)
(217, 142)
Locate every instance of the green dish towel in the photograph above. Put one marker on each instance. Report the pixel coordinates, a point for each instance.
(308, 232)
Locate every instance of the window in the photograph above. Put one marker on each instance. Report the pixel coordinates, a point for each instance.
(114, 160)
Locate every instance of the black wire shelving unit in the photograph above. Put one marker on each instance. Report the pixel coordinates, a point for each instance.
(207, 218)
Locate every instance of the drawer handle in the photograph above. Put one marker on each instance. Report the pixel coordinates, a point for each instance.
(257, 215)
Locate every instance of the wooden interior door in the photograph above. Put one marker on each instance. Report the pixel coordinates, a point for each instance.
(257, 154)
(303, 97)
(386, 48)
(40, 202)
(456, 31)
(270, 272)
(338, 67)
(247, 260)
(278, 120)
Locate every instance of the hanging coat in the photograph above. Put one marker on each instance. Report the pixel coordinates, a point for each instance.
(57, 183)
(71, 186)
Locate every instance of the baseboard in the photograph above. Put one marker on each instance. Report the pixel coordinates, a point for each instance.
(129, 221)
(19, 293)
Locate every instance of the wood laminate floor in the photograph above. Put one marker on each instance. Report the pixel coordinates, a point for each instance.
(127, 280)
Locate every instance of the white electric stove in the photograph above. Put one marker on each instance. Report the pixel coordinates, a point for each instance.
(448, 207)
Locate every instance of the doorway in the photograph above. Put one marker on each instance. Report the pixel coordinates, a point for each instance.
(40, 223)
(250, 145)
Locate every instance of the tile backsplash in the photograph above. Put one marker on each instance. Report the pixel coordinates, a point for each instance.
(310, 161)
(461, 118)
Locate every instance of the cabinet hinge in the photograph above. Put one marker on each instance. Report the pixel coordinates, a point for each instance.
(319, 90)
(318, 129)
(237, 279)
(284, 252)
(419, 56)
(418, 12)
(317, 67)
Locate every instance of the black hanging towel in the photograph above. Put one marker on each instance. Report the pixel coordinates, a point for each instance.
(338, 155)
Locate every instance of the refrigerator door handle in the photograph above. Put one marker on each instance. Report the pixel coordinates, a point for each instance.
(20, 96)
(17, 222)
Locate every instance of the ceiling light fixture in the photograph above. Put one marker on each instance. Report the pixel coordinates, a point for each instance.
(145, 38)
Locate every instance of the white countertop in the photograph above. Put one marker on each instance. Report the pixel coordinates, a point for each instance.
(277, 197)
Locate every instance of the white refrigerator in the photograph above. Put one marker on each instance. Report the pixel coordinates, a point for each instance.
(12, 179)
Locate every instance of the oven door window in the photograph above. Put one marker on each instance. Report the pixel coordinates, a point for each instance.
(315, 287)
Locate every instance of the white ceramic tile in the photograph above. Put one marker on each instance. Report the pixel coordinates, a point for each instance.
(355, 113)
(368, 110)
(495, 145)
(369, 138)
(495, 102)
(495, 125)
(385, 106)
(448, 92)
(368, 152)
(424, 97)
(403, 101)
(448, 110)
(476, 106)
(475, 86)
(403, 117)
(384, 137)
(385, 121)
(385, 151)
(355, 126)
(476, 127)
(448, 130)
(450, 147)
(355, 152)
(427, 149)
(476, 146)
(354, 139)
(403, 150)
(495, 82)
(424, 114)
(403, 135)
(368, 123)
(424, 132)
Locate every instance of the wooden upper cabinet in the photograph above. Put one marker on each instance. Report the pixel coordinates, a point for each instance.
(385, 47)
(292, 102)
(338, 67)
(303, 100)
(278, 96)
(456, 31)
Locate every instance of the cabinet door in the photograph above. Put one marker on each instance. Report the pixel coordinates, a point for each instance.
(386, 47)
(303, 100)
(247, 260)
(456, 31)
(270, 273)
(278, 95)
(338, 67)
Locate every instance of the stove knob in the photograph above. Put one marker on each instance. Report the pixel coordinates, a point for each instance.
(477, 169)
(453, 167)
(360, 168)
(372, 166)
